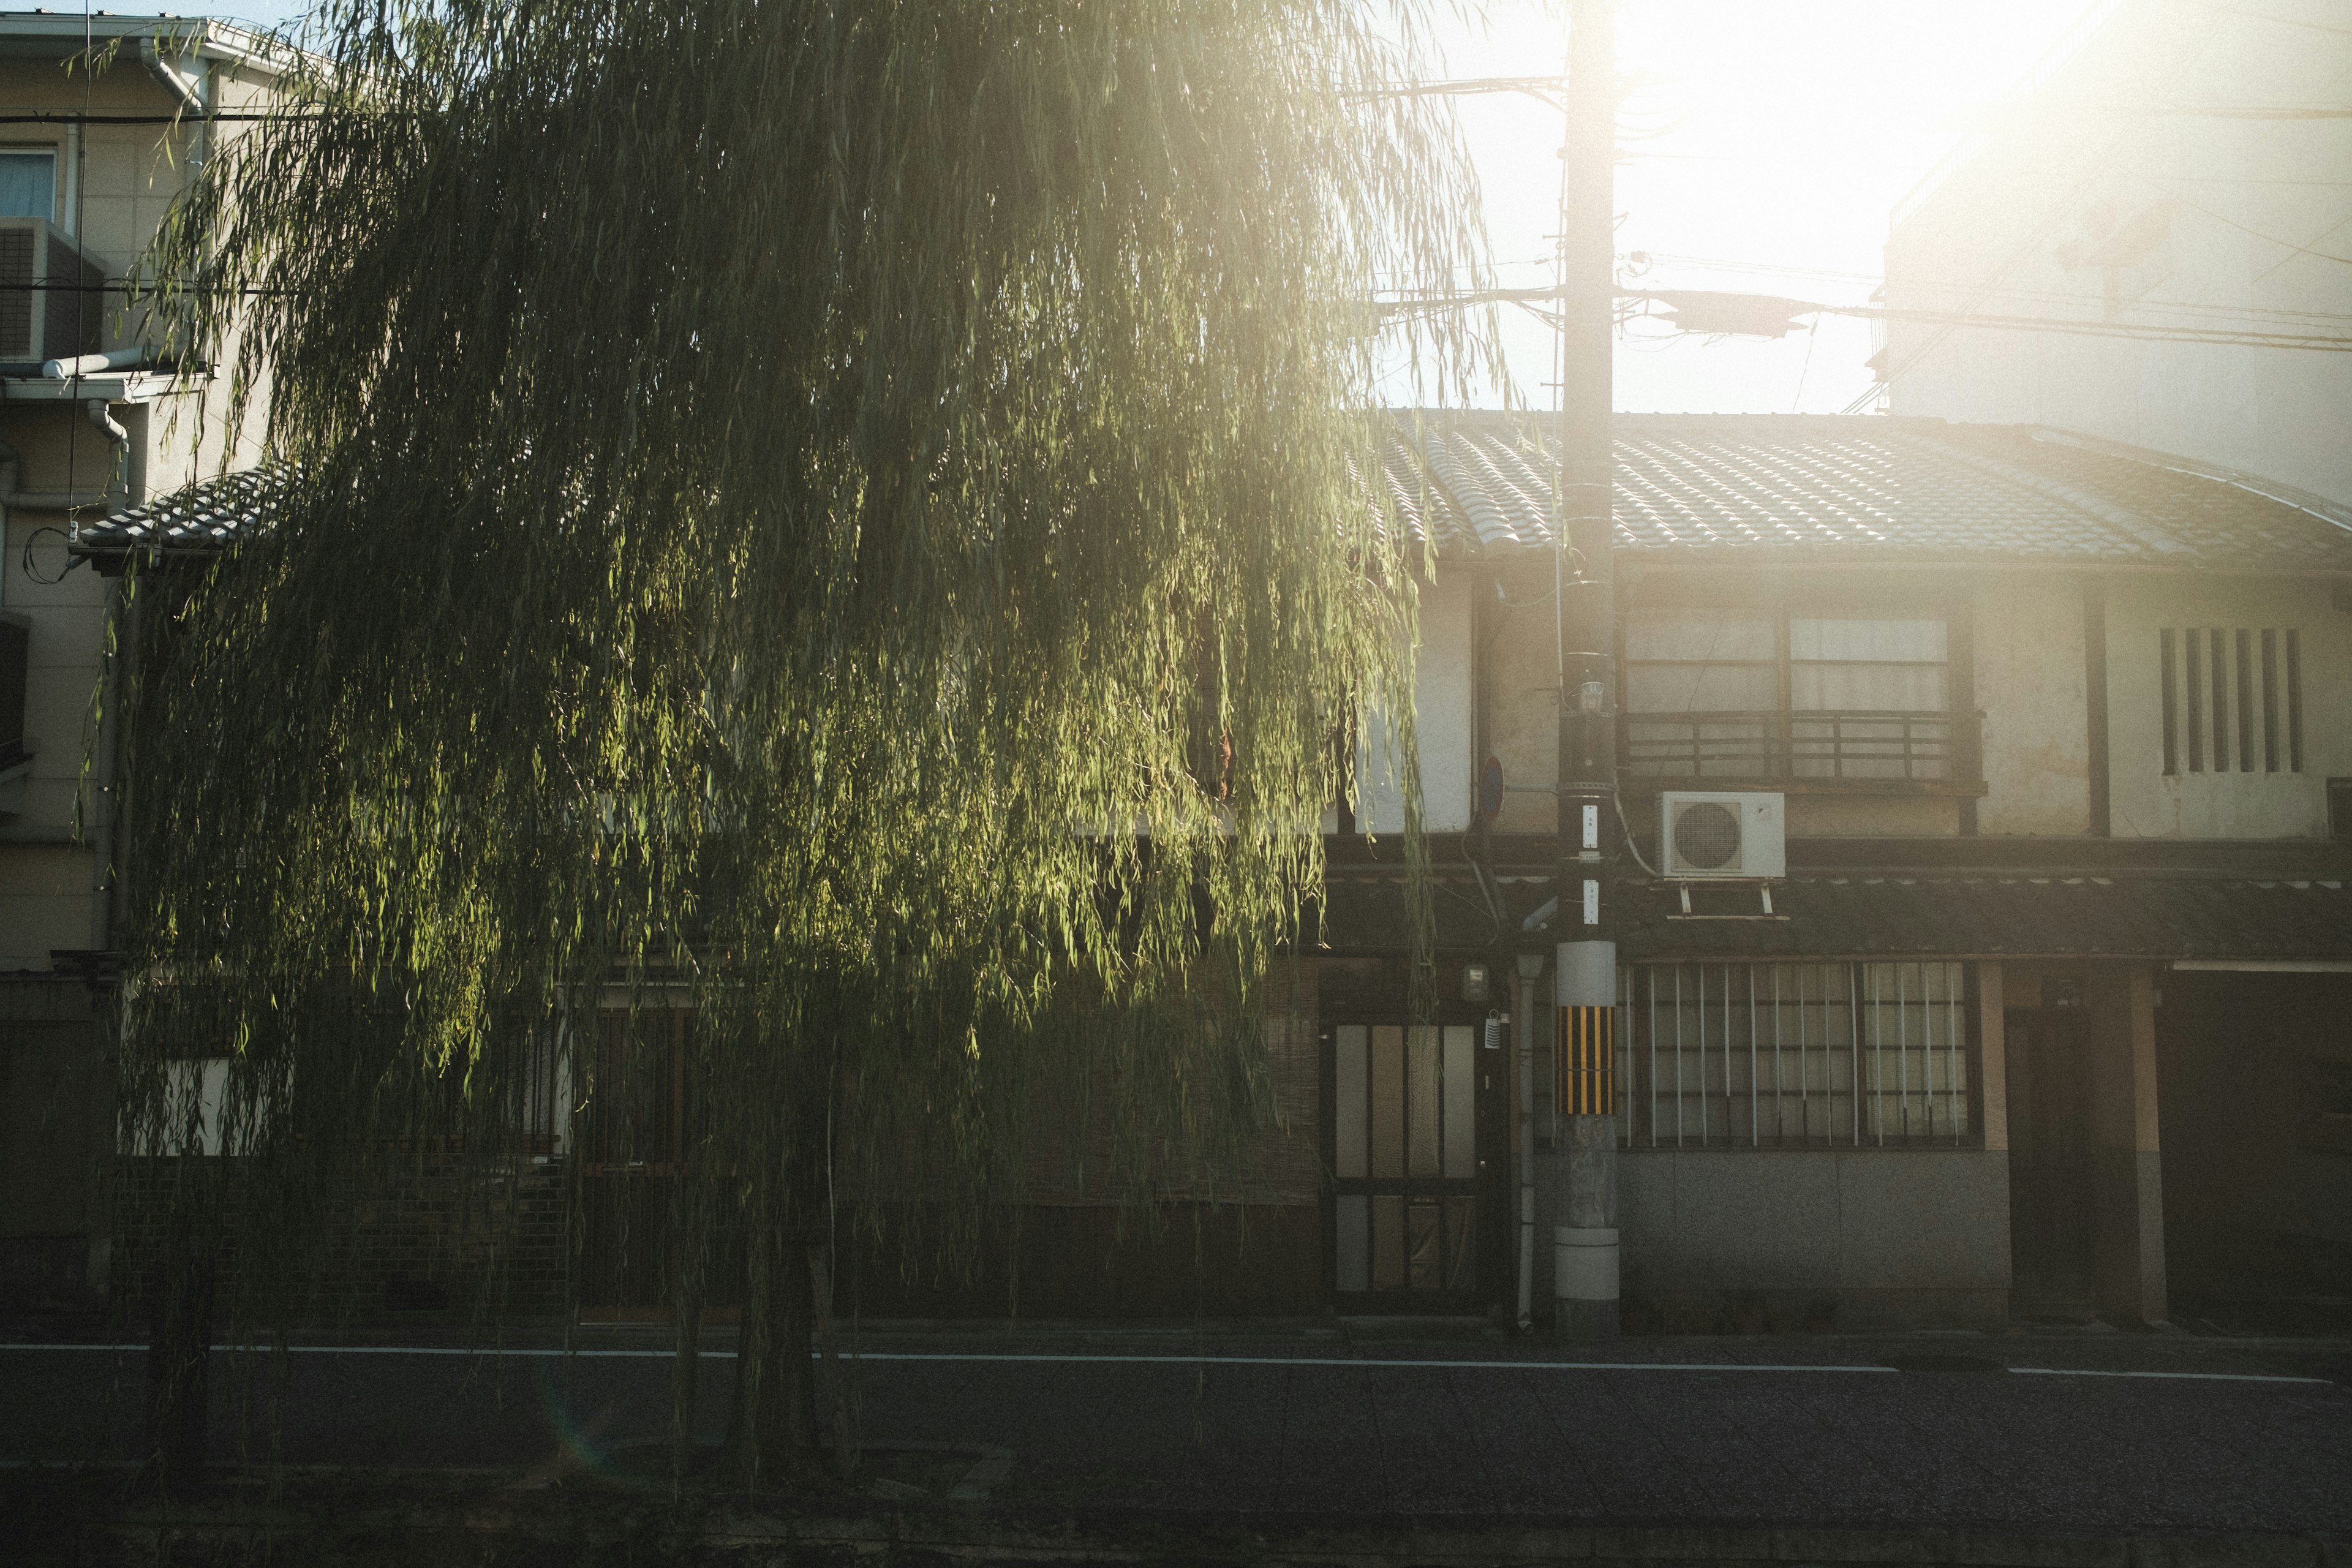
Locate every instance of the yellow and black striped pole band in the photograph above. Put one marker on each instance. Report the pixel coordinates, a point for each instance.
(1585, 1083)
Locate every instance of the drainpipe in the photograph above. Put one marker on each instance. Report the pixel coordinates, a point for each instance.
(115, 496)
(192, 95)
(1530, 969)
(120, 495)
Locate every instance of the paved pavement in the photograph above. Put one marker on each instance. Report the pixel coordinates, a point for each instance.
(2007, 1431)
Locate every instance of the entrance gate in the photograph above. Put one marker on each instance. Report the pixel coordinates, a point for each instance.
(1404, 1155)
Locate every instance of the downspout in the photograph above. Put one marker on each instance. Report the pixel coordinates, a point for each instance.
(193, 97)
(186, 96)
(115, 496)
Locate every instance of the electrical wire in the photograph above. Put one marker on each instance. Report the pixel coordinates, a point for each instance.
(2144, 331)
(25, 557)
(2270, 238)
(2252, 313)
(1616, 798)
(2278, 21)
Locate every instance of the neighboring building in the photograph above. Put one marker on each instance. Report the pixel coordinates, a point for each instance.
(80, 198)
(2180, 165)
(2049, 1016)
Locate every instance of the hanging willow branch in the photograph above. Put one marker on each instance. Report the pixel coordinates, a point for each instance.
(857, 511)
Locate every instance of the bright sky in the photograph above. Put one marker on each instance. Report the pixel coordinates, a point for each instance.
(1766, 141)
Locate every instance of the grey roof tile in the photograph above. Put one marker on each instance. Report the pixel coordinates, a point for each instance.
(1474, 483)
(1858, 487)
(204, 519)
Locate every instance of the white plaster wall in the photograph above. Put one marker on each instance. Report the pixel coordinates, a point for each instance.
(2235, 805)
(1522, 694)
(1443, 721)
(2029, 674)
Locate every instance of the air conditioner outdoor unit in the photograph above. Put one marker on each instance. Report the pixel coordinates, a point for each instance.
(52, 297)
(1723, 836)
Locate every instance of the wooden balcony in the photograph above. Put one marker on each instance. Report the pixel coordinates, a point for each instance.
(1826, 751)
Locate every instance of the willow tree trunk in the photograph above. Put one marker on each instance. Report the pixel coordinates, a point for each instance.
(774, 1426)
(179, 1356)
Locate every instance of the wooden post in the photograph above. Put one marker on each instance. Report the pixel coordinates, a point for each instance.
(2126, 1182)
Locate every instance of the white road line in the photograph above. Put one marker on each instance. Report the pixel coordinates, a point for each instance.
(1369, 1360)
(1041, 1356)
(2179, 1376)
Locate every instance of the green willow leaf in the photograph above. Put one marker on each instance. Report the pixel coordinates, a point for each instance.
(853, 517)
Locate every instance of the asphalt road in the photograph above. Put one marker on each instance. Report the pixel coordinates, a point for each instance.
(2126, 1434)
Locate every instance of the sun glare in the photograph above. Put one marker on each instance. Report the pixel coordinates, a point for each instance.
(1763, 143)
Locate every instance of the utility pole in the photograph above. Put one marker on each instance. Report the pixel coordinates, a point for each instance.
(1584, 1046)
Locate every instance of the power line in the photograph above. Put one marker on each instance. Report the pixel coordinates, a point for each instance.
(2270, 238)
(2185, 307)
(1762, 308)
(2278, 21)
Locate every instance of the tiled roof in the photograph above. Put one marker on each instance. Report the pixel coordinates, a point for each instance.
(202, 519)
(2149, 916)
(1854, 487)
(1861, 487)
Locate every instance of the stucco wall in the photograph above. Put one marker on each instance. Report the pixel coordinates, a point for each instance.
(1872, 816)
(1522, 695)
(2030, 685)
(1443, 715)
(2233, 805)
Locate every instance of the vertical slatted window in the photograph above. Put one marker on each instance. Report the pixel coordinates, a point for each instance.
(2195, 671)
(1768, 1055)
(2241, 687)
(2218, 688)
(2270, 701)
(2239, 663)
(2293, 701)
(2171, 682)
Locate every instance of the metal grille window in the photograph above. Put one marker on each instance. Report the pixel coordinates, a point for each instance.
(1770, 1054)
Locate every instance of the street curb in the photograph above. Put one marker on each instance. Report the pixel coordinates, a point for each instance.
(419, 1522)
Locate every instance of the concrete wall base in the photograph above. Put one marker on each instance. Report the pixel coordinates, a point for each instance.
(1829, 1310)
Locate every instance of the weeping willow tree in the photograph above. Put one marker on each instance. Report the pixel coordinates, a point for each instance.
(856, 513)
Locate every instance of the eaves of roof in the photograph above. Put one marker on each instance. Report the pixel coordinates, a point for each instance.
(1745, 489)
(33, 33)
(1891, 916)
(201, 520)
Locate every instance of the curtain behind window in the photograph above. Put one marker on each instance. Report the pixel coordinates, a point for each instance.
(28, 184)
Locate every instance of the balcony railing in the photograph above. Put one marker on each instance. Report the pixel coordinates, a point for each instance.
(1854, 744)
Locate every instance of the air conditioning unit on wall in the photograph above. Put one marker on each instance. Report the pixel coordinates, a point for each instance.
(52, 300)
(1723, 836)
